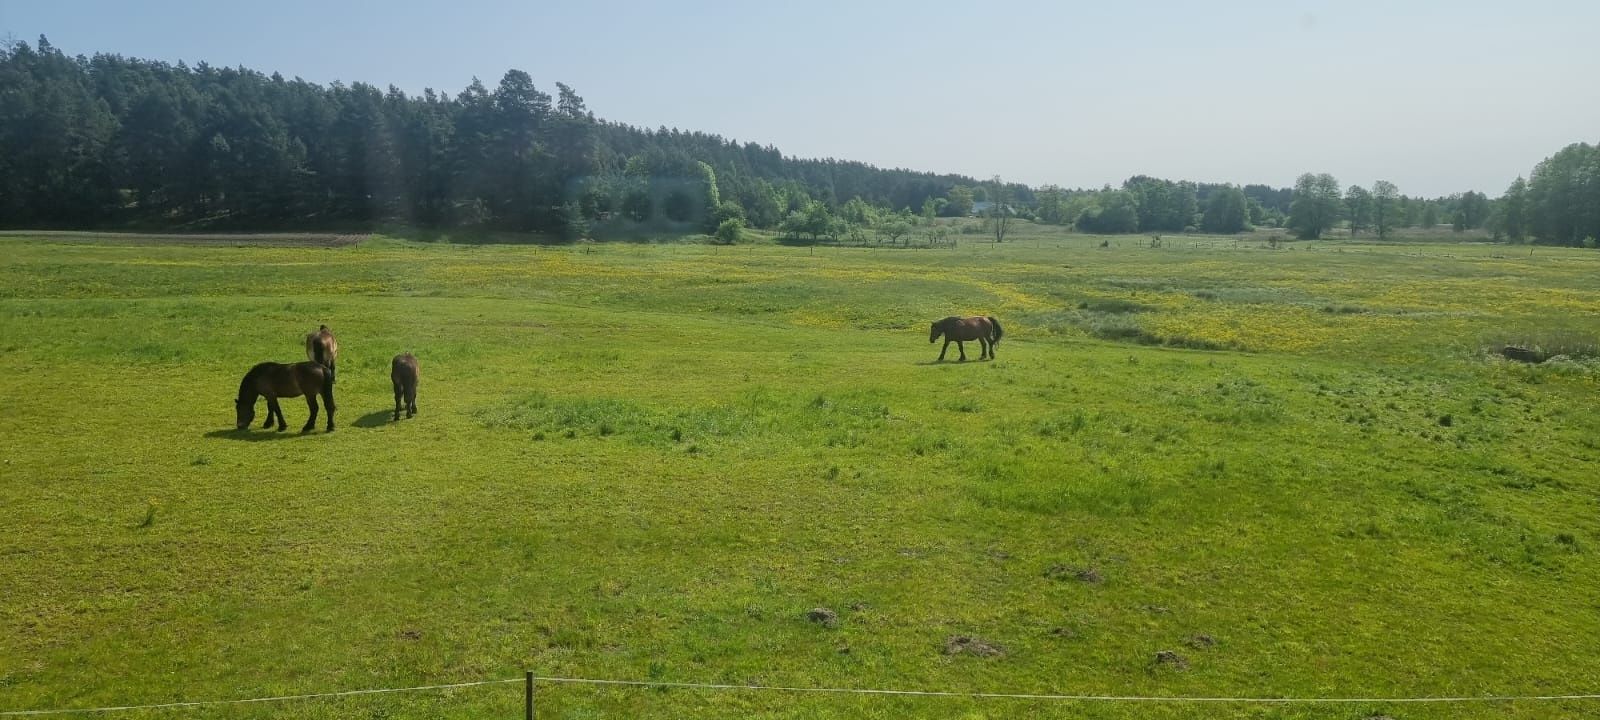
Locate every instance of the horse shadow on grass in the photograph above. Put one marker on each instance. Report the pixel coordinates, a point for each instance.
(258, 435)
(375, 419)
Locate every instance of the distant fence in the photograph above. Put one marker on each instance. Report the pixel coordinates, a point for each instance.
(530, 683)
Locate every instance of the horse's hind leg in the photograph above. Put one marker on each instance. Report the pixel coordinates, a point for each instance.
(327, 399)
(311, 405)
(398, 392)
(411, 400)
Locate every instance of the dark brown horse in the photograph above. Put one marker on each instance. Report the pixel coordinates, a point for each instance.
(403, 371)
(986, 330)
(277, 380)
(322, 348)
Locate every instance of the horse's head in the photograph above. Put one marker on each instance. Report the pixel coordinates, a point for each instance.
(933, 333)
(245, 412)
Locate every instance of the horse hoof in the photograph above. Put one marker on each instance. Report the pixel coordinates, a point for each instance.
(282, 428)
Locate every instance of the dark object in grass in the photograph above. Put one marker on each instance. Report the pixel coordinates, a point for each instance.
(1522, 354)
(403, 372)
(1201, 641)
(1168, 657)
(958, 644)
(1446, 421)
(1062, 572)
(824, 617)
(277, 380)
(986, 330)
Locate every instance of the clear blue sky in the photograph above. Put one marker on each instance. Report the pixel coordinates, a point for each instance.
(1437, 97)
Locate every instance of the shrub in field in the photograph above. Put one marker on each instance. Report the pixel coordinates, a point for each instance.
(730, 232)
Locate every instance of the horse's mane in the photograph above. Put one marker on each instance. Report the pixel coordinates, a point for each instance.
(245, 384)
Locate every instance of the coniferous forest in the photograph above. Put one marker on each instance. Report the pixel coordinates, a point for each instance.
(109, 141)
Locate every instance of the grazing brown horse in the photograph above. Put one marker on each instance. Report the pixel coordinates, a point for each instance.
(277, 380)
(403, 371)
(986, 330)
(322, 348)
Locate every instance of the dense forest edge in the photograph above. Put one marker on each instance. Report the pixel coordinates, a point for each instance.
(110, 142)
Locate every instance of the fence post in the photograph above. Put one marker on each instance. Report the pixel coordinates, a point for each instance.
(528, 696)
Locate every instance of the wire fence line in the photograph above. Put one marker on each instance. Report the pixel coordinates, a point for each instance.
(244, 701)
(1173, 699)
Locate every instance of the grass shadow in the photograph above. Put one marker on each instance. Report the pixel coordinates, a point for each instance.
(258, 435)
(374, 419)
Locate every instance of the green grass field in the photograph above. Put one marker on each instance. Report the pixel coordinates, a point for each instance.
(1298, 469)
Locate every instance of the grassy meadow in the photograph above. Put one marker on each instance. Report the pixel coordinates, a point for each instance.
(1298, 470)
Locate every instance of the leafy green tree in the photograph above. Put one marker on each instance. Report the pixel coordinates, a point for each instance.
(1563, 196)
(574, 226)
(710, 197)
(1385, 207)
(959, 202)
(1163, 204)
(760, 201)
(1227, 211)
(1112, 212)
(1510, 217)
(814, 222)
(1358, 208)
(894, 229)
(1430, 215)
(1315, 207)
(1000, 213)
(856, 211)
(730, 231)
(1472, 210)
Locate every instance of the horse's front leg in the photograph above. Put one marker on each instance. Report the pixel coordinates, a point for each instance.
(944, 349)
(273, 408)
(962, 346)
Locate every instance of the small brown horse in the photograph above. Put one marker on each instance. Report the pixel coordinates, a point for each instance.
(277, 380)
(322, 348)
(986, 330)
(403, 371)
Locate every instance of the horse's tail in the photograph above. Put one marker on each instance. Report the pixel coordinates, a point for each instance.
(997, 331)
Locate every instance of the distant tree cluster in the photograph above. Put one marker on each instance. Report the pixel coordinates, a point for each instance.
(1558, 204)
(110, 140)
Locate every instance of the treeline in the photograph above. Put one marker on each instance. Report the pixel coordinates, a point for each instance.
(1559, 203)
(109, 140)
(1147, 204)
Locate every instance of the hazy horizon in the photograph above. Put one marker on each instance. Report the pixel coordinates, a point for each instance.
(1435, 98)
